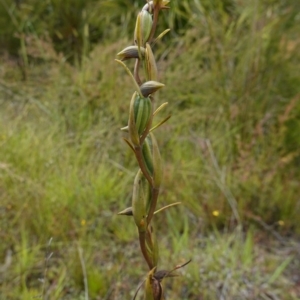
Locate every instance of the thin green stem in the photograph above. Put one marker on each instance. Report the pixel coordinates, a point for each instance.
(137, 87)
(155, 20)
(136, 72)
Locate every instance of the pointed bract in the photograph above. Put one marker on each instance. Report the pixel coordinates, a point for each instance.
(126, 212)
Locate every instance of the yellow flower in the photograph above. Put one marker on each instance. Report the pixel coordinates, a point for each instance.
(215, 213)
(83, 222)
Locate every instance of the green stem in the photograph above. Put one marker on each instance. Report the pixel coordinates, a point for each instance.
(137, 87)
(155, 20)
(136, 72)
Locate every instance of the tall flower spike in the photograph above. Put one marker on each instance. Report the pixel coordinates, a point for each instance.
(142, 142)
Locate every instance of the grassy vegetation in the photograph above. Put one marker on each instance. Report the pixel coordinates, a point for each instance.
(231, 152)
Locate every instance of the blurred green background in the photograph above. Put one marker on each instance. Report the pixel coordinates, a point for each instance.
(231, 150)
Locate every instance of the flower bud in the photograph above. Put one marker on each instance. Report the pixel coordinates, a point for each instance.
(131, 52)
(143, 28)
(150, 87)
(149, 6)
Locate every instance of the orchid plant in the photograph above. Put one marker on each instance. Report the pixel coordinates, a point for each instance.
(141, 140)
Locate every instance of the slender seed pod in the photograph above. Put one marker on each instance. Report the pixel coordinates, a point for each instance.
(142, 113)
(147, 154)
(157, 163)
(139, 108)
(133, 132)
(152, 159)
(140, 200)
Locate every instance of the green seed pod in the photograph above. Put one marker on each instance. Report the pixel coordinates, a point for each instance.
(152, 159)
(141, 198)
(147, 154)
(142, 113)
(132, 129)
(150, 87)
(157, 163)
(131, 52)
(143, 28)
